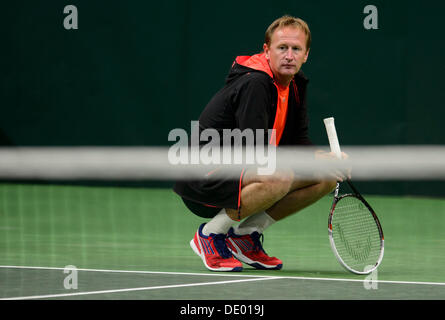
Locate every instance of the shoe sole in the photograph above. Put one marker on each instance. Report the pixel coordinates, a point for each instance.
(201, 255)
(252, 263)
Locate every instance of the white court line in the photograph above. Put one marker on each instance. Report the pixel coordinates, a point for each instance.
(373, 280)
(136, 289)
(217, 274)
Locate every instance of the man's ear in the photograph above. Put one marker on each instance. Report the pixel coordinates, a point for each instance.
(306, 56)
(266, 51)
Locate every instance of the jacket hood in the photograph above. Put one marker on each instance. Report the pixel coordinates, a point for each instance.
(256, 62)
(246, 64)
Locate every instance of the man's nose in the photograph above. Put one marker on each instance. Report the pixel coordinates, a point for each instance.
(289, 54)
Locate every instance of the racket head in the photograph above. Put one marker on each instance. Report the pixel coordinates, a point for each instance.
(355, 234)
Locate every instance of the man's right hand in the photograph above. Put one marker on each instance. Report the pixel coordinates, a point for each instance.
(336, 174)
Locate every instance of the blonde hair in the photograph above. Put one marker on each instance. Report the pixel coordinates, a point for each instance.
(286, 21)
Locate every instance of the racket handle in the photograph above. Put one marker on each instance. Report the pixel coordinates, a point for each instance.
(332, 136)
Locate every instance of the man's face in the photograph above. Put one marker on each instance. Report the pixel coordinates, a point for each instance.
(287, 53)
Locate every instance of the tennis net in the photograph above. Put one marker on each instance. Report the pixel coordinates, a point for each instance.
(114, 209)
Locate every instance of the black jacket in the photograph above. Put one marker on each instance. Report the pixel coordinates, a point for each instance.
(249, 100)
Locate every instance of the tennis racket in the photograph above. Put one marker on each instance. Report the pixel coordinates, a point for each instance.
(355, 233)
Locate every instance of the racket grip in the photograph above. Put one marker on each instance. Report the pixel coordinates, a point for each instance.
(332, 136)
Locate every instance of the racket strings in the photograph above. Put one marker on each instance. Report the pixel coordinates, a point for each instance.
(355, 234)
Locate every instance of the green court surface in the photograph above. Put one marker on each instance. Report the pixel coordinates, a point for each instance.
(133, 243)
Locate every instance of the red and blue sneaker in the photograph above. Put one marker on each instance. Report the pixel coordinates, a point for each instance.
(249, 249)
(213, 251)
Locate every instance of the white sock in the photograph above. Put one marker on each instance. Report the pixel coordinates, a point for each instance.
(256, 222)
(220, 223)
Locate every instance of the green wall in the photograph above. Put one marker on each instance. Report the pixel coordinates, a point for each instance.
(134, 70)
